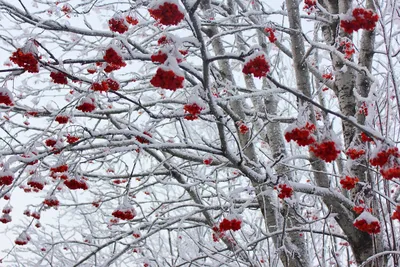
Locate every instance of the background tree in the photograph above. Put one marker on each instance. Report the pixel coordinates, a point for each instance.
(200, 133)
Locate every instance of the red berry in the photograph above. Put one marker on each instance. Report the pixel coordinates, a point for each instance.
(256, 65)
(167, 13)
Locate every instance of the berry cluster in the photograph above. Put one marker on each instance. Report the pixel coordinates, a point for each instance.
(72, 139)
(143, 140)
(51, 201)
(226, 225)
(326, 150)
(114, 60)
(327, 76)
(362, 19)
(347, 46)
(243, 128)
(6, 97)
(76, 183)
(349, 182)
(367, 223)
(167, 79)
(131, 20)
(5, 218)
(124, 213)
(396, 214)
(383, 156)
(86, 105)
(62, 119)
(365, 138)
(354, 153)
(207, 161)
(284, 191)
(167, 14)
(271, 34)
(51, 142)
(160, 57)
(390, 173)
(22, 239)
(6, 178)
(363, 109)
(310, 6)
(117, 25)
(258, 66)
(59, 168)
(59, 77)
(25, 60)
(193, 109)
(36, 182)
(302, 135)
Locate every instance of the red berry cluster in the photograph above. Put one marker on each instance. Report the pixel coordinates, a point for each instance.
(226, 225)
(22, 239)
(367, 223)
(36, 182)
(327, 76)
(72, 139)
(76, 183)
(25, 60)
(302, 136)
(354, 153)
(163, 40)
(6, 97)
(396, 214)
(6, 178)
(365, 138)
(131, 20)
(59, 77)
(193, 109)
(310, 6)
(51, 142)
(117, 25)
(124, 213)
(167, 14)
(112, 84)
(383, 156)
(5, 218)
(390, 173)
(326, 150)
(243, 128)
(143, 140)
(362, 19)
(60, 168)
(167, 79)
(271, 34)
(257, 66)
(160, 57)
(207, 161)
(363, 109)
(113, 58)
(347, 47)
(86, 105)
(51, 202)
(284, 190)
(349, 182)
(62, 119)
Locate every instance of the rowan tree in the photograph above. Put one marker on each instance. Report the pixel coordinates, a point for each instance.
(200, 133)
